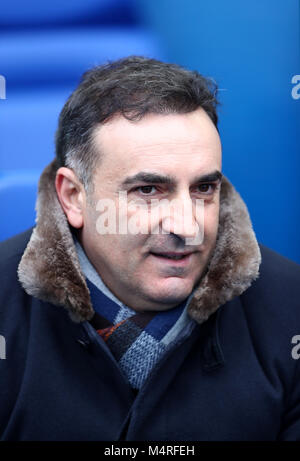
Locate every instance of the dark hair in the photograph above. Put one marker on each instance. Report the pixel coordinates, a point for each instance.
(133, 87)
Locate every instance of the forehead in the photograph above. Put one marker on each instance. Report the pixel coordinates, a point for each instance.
(172, 143)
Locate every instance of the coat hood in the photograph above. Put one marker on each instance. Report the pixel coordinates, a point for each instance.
(49, 269)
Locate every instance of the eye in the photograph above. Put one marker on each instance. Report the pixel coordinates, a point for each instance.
(206, 188)
(146, 190)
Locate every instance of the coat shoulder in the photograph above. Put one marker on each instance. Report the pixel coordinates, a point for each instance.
(274, 265)
(11, 251)
(274, 297)
(14, 247)
(279, 278)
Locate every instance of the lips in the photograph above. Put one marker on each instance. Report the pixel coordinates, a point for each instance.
(172, 255)
(172, 259)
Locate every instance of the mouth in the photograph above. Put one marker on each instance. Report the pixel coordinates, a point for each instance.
(176, 258)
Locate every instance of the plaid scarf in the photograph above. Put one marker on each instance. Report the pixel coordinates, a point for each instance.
(137, 340)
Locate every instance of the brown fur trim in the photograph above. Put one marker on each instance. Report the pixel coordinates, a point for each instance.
(50, 270)
(235, 261)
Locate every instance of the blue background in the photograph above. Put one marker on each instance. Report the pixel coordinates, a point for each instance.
(251, 49)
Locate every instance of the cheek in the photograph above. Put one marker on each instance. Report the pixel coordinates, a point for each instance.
(211, 221)
(120, 239)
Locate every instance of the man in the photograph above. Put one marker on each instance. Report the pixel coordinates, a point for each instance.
(144, 308)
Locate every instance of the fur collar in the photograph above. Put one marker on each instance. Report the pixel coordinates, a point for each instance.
(50, 270)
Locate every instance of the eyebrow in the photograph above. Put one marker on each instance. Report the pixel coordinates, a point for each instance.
(155, 178)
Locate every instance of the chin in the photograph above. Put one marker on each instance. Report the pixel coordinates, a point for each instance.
(173, 292)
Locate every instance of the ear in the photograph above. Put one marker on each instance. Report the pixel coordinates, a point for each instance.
(71, 195)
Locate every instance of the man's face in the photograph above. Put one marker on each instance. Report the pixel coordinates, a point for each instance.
(158, 157)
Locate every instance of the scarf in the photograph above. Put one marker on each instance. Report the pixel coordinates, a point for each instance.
(137, 340)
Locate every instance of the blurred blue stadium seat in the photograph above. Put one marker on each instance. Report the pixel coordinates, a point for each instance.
(28, 122)
(57, 57)
(17, 201)
(35, 13)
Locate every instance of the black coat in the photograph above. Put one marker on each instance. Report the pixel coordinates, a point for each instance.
(236, 376)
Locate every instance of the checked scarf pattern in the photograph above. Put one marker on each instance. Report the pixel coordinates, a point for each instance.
(136, 340)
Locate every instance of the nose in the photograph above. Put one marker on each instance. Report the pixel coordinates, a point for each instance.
(183, 217)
